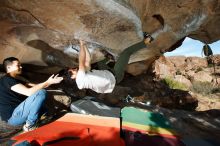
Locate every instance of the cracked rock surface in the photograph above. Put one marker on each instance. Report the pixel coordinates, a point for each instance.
(112, 25)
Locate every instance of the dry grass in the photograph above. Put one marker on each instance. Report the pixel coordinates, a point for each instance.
(204, 88)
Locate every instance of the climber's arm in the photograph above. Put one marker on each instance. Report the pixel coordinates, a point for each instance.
(82, 57)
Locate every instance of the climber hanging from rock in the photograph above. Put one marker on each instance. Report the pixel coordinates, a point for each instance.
(207, 51)
(104, 79)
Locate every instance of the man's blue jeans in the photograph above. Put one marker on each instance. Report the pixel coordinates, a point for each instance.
(28, 111)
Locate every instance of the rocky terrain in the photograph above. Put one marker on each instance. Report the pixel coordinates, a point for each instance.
(43, 33)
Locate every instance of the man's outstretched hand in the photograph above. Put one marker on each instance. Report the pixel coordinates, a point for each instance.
(54, 79)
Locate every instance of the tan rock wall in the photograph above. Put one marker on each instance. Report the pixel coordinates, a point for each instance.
(111, 25)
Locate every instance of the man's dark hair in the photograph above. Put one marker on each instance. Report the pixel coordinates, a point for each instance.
(65, 73)
(68, 85)
(147, 35)
(8, 61)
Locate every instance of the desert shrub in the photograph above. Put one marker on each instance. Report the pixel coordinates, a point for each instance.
(204, 88)
(216, 74)
(174, 84)
(178, 72)
(210, 65)
(198, 69)
(216, 90)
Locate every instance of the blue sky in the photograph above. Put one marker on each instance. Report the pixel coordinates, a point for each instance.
(192, 47)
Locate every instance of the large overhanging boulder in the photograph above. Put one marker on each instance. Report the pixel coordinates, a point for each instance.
(43, 32)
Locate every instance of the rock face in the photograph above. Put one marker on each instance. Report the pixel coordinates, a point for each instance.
(163, 68)
(112, 25)
(182, 79)
(216, 59)
(187, 70)
(202, 77)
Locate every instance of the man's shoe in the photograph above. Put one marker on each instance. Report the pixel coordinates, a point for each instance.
(27, 127)
(108, 55)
